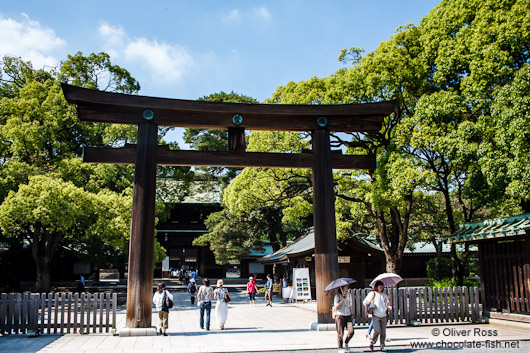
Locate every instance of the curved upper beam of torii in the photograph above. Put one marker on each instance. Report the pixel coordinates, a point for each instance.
(105, 107)
(148, 113)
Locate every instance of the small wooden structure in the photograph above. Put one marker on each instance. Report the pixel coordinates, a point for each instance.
(504, 256)
(149, 112)
(360, 258)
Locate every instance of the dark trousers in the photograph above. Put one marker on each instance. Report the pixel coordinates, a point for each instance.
(205, 307)
(342, 322)
(192, 300)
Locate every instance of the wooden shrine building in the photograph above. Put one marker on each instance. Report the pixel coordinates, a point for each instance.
(504, 260)
(150, 112)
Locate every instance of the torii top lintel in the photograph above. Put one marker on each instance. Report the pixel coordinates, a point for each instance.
(105, 107)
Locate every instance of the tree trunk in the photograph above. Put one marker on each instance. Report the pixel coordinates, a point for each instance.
(43, 282)
(393, 265)
(389, 240)
(458, 265)
(43, 248)
(438, 247)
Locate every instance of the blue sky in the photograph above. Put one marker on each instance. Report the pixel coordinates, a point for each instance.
(189, 49)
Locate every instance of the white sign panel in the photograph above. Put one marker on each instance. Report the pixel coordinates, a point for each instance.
(165, 264)
(344, 259)
(301, 284)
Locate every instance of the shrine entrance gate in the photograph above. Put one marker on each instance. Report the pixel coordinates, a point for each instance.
(149, 112)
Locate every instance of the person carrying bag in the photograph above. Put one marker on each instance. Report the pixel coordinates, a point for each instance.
(343, 316)
(378, 302)
(163, 301)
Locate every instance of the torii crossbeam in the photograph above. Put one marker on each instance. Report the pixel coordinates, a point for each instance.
(149, 112)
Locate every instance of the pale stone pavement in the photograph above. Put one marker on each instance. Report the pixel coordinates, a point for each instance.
(282, 327)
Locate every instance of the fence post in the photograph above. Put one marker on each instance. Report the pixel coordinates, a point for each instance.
(114, 305)
(413, 308)
(476, 305)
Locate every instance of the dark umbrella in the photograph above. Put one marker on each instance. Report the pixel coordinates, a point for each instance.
(339, 282)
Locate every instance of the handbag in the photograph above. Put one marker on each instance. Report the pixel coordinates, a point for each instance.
(333, 312)
(167, 303)
(227, 297)
(371, 306)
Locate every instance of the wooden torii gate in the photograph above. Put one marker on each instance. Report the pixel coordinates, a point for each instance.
(149, 112)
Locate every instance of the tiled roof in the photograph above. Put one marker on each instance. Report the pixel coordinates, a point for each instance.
(493, 228)
(300, 245)
(306, 243)
(265, 250)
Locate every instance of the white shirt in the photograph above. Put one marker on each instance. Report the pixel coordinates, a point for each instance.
(380, 301)
(158, 299)
(344, 309)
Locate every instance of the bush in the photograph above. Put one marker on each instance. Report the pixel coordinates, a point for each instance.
(450, 282)
(445, 269)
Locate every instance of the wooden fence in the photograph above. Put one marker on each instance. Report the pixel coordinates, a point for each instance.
(424, 305)
(57, 313)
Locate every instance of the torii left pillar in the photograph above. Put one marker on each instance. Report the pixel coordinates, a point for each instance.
(141, 243)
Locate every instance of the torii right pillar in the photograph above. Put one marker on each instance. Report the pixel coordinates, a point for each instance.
(326, 255)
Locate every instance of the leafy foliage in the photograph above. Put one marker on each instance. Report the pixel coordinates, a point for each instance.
(49, 197)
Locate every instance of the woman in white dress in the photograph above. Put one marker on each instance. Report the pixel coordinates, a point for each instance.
(221, 308)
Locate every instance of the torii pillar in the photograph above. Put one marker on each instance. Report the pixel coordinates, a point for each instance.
(142, 240)
(326, 263)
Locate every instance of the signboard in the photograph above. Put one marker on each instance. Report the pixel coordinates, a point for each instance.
(301, 284)
(165, 264)
(256, 267)
(344, 259)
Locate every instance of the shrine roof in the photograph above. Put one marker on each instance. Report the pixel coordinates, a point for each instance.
(497, 228)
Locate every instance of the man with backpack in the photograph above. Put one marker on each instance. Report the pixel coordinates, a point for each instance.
(192, 290)
(163, 301)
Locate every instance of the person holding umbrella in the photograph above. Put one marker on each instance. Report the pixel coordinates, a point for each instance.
(343, 309)
(379, 303)
(343, 318)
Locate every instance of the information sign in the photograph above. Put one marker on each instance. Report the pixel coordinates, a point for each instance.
(301, 284)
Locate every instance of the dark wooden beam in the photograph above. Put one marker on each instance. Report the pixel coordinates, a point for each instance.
(108, 107)
(236, 139)
(165, 156)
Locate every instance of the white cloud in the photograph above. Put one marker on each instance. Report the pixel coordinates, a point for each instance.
(113, 35)
(234, 15)
(115, 39)
(29, 40)
(259, 13)
(262, 12)
(165, 62)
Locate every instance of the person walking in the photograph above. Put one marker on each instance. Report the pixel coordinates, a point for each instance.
(221, 307)
(268, 291)
(381, 304)
(81, 284)
(159, 299)
(204, 297)
(192, 290)
(344, 318)
(251, 290)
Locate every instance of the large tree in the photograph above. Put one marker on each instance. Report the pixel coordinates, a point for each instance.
(261, 205)
(40, 134)
(47, 211)
(445, 74)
